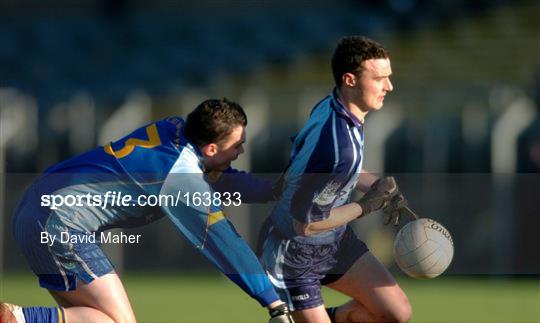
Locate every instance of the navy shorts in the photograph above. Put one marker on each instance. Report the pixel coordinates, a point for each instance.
(298, 270)
(57, 265)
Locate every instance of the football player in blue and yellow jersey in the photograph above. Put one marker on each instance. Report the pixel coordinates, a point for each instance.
(306, 241)
(173, 158)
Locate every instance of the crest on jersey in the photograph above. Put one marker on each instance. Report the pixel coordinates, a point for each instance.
(327, 195)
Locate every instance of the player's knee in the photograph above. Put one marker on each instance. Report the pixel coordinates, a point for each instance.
(116, 317)
(124, 318)
(401, 312)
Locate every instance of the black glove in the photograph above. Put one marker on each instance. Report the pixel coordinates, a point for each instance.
(395, 209)
(280, 314)
(379, 195)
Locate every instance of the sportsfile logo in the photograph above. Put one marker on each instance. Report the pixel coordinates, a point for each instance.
(120, 199)
(109, 199)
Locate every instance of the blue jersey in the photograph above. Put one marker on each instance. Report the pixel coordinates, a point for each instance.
(326, 162)
(153, 160)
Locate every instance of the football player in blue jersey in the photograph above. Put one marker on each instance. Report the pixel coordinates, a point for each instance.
(307, 242)
(168, 157)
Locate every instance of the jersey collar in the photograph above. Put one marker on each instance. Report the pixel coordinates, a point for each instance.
(336, 104)
(183, 141)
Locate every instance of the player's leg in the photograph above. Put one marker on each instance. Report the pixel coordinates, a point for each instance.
(376, 295)
(75, 271)
(312, 315)
(78, 275)
(86, 284)
(295, 270)
(104, 300)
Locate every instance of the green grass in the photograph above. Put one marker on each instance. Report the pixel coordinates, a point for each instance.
(175, 298)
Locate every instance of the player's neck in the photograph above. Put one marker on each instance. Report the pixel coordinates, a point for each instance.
(351, 106)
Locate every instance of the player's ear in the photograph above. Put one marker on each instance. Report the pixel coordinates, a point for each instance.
(348, 79)
(210, 150)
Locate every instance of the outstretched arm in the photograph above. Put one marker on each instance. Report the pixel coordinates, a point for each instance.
(204, 225)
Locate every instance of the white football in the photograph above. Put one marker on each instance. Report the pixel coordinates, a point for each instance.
(423, 248)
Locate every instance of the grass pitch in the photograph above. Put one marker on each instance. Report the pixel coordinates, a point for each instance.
(211, 298)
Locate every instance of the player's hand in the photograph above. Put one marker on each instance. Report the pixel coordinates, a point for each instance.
(379, 195)
(280, 314)
(395, 208)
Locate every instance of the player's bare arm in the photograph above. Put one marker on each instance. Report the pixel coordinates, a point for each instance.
(383, 194)
(338, 216)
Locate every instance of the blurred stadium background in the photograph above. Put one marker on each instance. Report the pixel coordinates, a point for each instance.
(461, 131)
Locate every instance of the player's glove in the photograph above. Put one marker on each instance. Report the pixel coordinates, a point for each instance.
(395, 209)
(379, 195)
(280, 314)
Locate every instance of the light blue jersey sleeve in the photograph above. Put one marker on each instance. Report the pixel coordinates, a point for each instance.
(206, 227)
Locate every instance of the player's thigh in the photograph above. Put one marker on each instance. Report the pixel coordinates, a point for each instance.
(312, 315)
(370, 283)
(295, 269)
(105, 293)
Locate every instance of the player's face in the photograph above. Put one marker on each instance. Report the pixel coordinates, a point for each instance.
(373, 83)
(228, 150)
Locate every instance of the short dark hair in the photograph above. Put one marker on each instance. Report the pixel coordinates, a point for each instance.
(213, 120)
(351, 51)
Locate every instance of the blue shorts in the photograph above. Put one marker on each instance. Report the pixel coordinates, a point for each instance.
(57, 265)
(298, 270)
